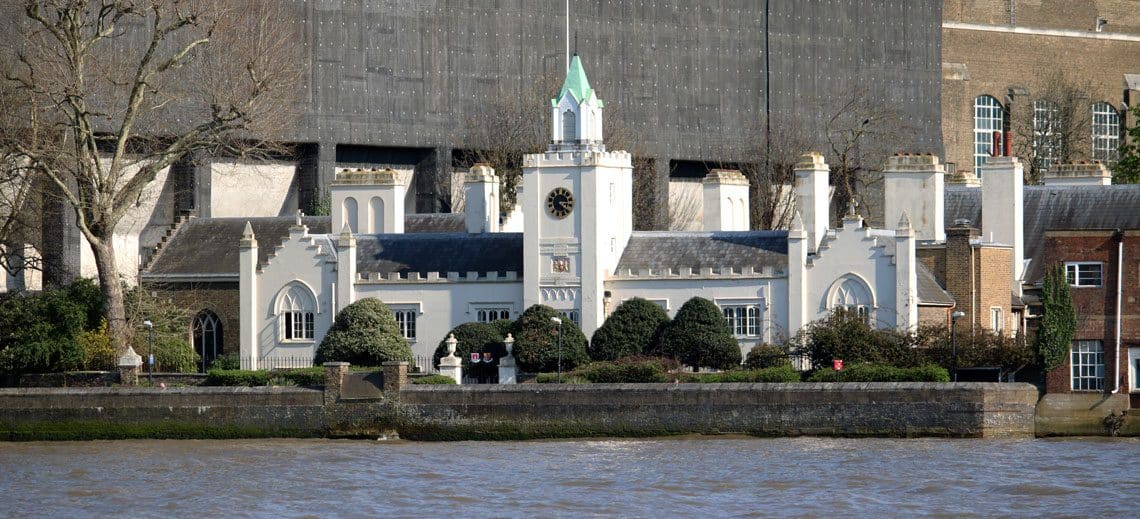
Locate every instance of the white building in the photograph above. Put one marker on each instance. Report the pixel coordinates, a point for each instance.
(578, 252)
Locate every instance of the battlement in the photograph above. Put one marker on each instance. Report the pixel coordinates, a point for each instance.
(366, 177)
(437, 277)
(700, 273)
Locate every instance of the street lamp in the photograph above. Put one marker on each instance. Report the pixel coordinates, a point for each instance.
(149, 351)
(954, 343)
(558, 321)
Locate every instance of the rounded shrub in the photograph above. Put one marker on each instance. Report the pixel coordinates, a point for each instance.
(629, 330)
(625, 371)
(699, 337)
(474, 338)
(536, 341)
(766, 355)
(364, 333)
(866, 372)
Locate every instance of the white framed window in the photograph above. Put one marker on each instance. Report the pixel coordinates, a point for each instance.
(1088, 366)
(1046, 134)
(743, 319)
(1084, 273)
(997, 319)
(1105, 132)
(296, 311)
(989, 117)
(492, 313)
(406, 319)
(852, 294)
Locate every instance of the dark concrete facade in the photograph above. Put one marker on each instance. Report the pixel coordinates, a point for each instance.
(692, 81)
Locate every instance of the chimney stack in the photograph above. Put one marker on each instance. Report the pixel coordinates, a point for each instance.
(914, 185)
(1080, 174)
(725, 200)
(481, 199)
(368, 201)
(812, 197)
(1003, 209)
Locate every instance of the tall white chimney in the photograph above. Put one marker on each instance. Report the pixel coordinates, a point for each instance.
(725, 201)
(811, 197)
(914, 185)
(1003, 209)
(481, 199)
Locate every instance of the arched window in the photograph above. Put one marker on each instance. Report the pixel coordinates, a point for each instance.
(1047, 134)
(569, 126)
(207, 332)
(376, 207)
(1105, 132)
(852, 294)
(989, 116)
(296, 310)
(350, 213)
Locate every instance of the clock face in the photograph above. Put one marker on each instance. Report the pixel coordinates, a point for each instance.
(560, 202)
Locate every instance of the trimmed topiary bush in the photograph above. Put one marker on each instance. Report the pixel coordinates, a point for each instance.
(434, 379)
(699, 337)
(474, 338)
(536, 341)
(766, 356)
(630, 330)
(364, 333)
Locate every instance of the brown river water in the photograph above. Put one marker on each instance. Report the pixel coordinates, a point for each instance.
(672, 477)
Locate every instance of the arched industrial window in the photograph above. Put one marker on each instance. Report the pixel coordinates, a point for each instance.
(989, 116)
(569, 126)
(1105, 132)
(1048, 135)
(296, 310)
(207, 332)
(350, 212)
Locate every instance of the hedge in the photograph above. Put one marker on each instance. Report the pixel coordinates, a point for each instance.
(434, 379)
(776, 374)
(880, 373)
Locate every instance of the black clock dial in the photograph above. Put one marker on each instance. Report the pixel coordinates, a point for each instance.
(560, 202)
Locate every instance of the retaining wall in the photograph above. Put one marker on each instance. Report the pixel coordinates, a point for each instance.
(826, 409)
(187, 412)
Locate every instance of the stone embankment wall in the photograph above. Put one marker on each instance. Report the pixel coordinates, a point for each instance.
(824, 409)
(185, 412)
(368, 405)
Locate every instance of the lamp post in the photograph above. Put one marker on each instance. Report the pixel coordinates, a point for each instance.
(558, 321)
(149, 351)
(954, 343)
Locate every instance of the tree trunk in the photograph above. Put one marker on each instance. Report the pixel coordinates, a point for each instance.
(113, 308)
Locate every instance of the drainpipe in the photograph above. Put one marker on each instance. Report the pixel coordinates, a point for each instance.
(1119, 235)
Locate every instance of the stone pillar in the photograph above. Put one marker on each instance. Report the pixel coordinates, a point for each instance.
(507, 370)
(451, 365)
(395, 375)
(247, 294)
(906, 280)
(129, 365)
(334, 380)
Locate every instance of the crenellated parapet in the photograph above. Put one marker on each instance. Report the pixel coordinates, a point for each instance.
(437, 277)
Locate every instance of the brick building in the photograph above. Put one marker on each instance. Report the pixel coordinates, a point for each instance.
(997, 55)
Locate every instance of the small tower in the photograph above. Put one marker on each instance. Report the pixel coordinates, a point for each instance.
(247, 293)
(576, 112)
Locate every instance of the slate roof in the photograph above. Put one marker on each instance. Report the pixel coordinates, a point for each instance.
(207, 247)
(739, 250)
(440, 252)
(929, 291)
(1055, 208)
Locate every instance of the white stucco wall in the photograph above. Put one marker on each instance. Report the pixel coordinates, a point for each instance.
(142, 225)
(866, 254)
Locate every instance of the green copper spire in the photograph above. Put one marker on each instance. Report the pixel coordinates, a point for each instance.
(576, 84)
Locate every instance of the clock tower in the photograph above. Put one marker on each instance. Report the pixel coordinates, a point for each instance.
(577, 199)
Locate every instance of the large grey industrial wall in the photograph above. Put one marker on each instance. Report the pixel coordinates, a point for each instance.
(693, 80)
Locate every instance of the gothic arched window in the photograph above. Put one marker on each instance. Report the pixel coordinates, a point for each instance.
(296, 310)
(853, 295)
(569, 126)
(207, 332)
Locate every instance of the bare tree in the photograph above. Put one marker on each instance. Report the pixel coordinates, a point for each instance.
(1055, 127)
(858, 132)
(686, 205)
(111, 92)
(771, 176)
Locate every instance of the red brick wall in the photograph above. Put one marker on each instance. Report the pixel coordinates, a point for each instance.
(1096, 306)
